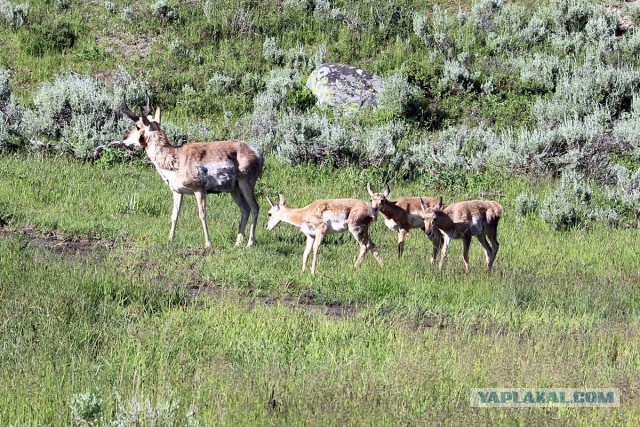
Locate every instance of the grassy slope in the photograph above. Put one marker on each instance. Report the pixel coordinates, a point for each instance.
(560, 310)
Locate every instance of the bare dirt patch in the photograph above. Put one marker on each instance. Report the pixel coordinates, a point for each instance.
(56, 242)
(334, 311)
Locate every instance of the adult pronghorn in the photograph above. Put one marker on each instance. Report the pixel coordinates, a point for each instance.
(464, 220)
(403, 214)
(324, 217)
(200, 168)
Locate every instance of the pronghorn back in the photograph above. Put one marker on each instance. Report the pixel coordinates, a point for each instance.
(487, 210)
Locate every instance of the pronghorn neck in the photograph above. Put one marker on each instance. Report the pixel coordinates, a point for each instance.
(293, 216)
(444, 222)
(160, 152)
(390, 209)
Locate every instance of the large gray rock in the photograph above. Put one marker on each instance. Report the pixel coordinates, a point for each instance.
(341, 86)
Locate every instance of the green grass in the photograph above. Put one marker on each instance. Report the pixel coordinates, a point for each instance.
(560, 309)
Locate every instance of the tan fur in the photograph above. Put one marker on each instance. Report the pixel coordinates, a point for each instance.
(201, 168)
(327, 216)
(463, 220)
(399, 212)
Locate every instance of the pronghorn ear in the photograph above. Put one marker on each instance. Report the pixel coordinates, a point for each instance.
(270, 202)
(369, 190)
(282, 201)
(157, 116)
(147, 108)
(422, 205)
(387, 191)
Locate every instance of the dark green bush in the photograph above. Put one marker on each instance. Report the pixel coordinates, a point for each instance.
(45, 38)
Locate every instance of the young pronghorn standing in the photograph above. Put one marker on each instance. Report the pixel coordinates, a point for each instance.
(324, 217)
(464, 220)
(200, 168)
(403, 214)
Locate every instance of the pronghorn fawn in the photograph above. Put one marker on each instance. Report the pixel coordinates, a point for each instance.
(199, 169)
(324, 217)
(403, 214)
(464, 220)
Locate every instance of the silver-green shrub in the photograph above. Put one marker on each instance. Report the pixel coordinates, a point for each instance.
(421, 27)
(86, 408)
(539, 70)
(526, 204)
(161, 10)
(272, 51)
(568, 206)
(456, 77)
(10, 112)
(483, 14)
(379, 145)
(399, 96)
(220, 84)
(79, 112)
(14, 14)
(582, 90)
(535, 32)
(312, 138)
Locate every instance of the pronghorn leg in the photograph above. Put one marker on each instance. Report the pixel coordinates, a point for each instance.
(487, 249)
(436, 239)
(307, 251)
(177, 203)
(201, 198)
(374, 250)
(402, 234)
(357, 234)
(466, 241)
(244, 212)
(445, 247)
(250, 199)
(316, 245)
(494, 242)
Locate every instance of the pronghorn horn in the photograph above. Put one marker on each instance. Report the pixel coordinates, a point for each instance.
(128, 112)
(387, 191)
(145, 120)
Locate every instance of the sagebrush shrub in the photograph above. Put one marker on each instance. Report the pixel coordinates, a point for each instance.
(539, 71)
(161, 10)
(86, 408)
(535, 32)
(526, 204)
(379, 145)
(14, 14)
(312, 138)
(401, 97)
(272, 51)
(569, 205)
(80, 112)
(483, 14)
(456, 77)
(220, 84)
(10, 113)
